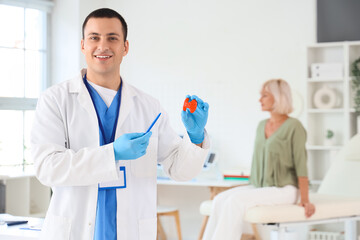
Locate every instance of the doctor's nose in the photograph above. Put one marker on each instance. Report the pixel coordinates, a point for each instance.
(103, 45)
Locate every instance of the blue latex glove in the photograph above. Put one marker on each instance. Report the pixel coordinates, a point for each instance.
(131, 145)
(195, 122)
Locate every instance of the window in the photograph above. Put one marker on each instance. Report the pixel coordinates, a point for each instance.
(23, 74)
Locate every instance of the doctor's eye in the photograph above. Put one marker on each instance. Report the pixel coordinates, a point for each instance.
(113, 38)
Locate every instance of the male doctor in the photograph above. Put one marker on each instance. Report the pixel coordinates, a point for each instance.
(89, 146)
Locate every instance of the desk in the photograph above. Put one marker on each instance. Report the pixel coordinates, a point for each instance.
(203, 182)
(215, 186)
(15, 232)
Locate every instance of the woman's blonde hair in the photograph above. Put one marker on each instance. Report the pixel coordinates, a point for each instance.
(281, 91)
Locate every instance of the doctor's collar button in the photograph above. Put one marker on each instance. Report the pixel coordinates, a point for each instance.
(89, 224)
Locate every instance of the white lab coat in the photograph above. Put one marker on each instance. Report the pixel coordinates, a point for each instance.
(68, 158)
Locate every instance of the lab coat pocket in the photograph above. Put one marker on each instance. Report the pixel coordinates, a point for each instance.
(147, 229)
(56, 228)
(146, 165)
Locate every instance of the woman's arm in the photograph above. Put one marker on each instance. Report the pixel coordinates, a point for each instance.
(304, 194)
(300, 162)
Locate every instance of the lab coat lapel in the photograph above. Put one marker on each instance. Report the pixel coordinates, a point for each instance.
(77, 86)
(127, 102)
(85, 101)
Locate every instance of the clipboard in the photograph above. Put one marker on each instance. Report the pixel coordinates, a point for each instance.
(120, 183)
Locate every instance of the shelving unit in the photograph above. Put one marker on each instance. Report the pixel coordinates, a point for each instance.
(321, 147)
(341, 119)
(25, 195)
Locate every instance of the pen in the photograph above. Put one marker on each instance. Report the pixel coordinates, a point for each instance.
(12, 223)
(152, 124)
(30, 228)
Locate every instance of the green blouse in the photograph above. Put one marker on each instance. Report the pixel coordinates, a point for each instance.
(280, 159)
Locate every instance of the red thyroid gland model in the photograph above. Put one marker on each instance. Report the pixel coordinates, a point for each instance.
(190, 105)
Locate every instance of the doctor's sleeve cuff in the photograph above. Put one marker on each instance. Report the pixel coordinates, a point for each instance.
(115, 174)
(189, 160)
(205, 142)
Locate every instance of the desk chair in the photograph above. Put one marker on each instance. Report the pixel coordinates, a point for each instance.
(337, 200)
(167, 211)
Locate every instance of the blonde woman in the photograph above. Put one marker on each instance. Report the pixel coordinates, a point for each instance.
(278, 172)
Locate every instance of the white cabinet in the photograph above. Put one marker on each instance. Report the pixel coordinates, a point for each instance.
(25, 195)
(329, 102)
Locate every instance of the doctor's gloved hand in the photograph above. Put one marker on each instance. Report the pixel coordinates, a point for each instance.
(131, 145)
(195, 122)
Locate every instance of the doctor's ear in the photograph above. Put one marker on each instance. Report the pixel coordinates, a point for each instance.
(82, 45)
(126, 46)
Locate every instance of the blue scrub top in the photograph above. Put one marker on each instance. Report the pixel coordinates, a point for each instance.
(105, 223)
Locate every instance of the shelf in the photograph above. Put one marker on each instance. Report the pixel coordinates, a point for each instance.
(342, 118)
(335, 44)
(354, 43)
(315, 182)
(326, 45)
(323, 148)
(324, 80)
(26, 196)
(334, 110)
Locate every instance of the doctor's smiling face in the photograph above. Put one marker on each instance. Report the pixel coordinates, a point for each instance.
(104, 46)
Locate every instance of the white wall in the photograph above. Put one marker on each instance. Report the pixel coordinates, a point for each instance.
(221, 51)
(65, 40)
(66, 22)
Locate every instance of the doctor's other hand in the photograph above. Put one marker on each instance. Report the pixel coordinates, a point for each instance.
(195, 122)
(131, 145)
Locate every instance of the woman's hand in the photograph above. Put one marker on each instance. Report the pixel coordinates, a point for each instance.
(309, 208)
(304, 194)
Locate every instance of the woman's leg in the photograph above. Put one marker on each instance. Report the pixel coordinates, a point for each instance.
(229, 217)
(217, 208)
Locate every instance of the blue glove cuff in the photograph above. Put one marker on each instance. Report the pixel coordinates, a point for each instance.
(117, 155)
(197, 138)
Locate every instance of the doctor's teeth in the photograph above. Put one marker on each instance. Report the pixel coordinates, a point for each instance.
(103, 56)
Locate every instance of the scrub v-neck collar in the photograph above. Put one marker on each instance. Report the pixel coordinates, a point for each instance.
(107, 116)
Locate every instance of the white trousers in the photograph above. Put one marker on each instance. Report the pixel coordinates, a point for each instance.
(228, 210)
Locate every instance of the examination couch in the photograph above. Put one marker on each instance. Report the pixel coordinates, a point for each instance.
(337, 199)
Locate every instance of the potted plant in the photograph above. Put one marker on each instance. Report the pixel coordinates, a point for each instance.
(355, 70)
(329, 138)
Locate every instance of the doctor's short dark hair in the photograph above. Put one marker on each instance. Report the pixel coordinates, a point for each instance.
(106, 13)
